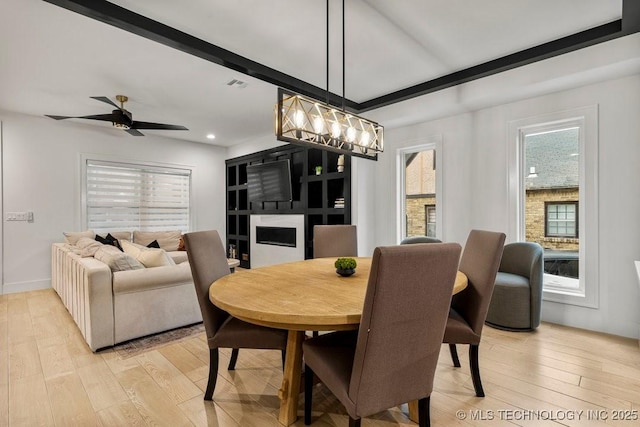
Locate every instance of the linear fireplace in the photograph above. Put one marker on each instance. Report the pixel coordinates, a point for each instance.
(276, 236)
(276, 239)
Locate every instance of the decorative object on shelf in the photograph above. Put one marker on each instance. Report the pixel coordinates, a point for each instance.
(341, 163)
(306, 121)
(345, 266)
(339, 203)
(318, 170)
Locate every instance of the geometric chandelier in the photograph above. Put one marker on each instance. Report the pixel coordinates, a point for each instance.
(309, 122)
(305, 121)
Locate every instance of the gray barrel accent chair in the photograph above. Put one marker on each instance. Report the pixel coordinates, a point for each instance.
(517, 296)
(419, 239)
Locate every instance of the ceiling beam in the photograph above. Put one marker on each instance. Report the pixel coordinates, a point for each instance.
(140, 25)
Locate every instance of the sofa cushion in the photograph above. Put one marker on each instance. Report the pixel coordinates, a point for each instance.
(117, 260)
(86, 247)
(121, 235)
(149, 257)
(168, 240)
(178, 256)
(72, 237)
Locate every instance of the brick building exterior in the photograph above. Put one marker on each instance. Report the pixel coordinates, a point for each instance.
(420, 189)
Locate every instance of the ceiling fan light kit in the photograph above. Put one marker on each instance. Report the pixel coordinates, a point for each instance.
(121, 118)
(305, 121)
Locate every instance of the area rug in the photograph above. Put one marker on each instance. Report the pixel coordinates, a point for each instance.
(152, 342)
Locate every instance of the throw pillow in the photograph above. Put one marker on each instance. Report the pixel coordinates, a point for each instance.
(109, 240)
(117, 260)
(87, 247)
(149, 257)
(154, 244)
(121, 235)
(168, 240)
(71, 237)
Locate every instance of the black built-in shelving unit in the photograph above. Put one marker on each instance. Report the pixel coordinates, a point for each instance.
(313, 195)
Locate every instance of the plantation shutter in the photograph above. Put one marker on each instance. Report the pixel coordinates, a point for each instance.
(121, 196)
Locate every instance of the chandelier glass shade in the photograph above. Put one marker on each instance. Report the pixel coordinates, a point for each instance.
(305, 121)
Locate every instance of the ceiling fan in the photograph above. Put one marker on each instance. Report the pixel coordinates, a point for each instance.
(121, 118)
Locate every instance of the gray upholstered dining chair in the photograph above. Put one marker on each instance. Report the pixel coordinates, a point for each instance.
(516, 303)
(480, 261)
(335, 241)
(208, 263)
(392, 357)
(419, 239)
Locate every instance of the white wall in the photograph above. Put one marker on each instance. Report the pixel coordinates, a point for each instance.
(41, 173)
(475, 188)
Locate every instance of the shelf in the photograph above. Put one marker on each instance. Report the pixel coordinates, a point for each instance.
(313, 195)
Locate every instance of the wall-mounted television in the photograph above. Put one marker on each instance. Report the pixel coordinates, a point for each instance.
(269, 182)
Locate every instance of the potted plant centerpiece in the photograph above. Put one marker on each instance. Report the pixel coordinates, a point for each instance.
(345, 266)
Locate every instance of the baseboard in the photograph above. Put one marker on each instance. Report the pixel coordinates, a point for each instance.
(33, 285)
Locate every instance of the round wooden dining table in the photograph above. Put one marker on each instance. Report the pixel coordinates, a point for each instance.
(299, 296)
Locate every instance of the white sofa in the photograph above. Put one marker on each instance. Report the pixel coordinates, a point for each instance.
(110, 307)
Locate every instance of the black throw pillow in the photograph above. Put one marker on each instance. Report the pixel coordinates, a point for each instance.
(154, 244)
(114, 242)
(109, 240)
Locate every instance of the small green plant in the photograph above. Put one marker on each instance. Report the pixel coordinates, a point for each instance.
(345, 263)
(318, 170)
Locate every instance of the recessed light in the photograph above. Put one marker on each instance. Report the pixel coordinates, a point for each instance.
(211, 136)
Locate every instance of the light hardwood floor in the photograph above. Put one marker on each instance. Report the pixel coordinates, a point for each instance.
(48, 376)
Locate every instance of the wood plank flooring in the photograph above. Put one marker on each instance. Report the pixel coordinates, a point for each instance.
(49, 377)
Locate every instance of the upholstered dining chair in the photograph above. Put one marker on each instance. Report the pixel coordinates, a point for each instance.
(335, 241)
(208, 263)
(480, 261)
(516, 303)
(419, 239)
(391, 359)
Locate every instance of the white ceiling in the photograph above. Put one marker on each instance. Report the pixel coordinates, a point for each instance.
(52, 60)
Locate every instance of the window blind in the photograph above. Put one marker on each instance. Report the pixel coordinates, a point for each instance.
(121, 196)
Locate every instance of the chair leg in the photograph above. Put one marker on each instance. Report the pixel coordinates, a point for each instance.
(454, 355)
(308, 394)
(475, 369)
(233, 359)
(213, 373)
(424, 413)
(354, 423)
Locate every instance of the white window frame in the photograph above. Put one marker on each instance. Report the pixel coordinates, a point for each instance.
(586, 118)
(101, 158)
(433, 143)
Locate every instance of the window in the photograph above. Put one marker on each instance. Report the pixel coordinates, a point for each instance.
(553, 201)
(561, 219)
(419, 185)
(430, 214)
(123, 196)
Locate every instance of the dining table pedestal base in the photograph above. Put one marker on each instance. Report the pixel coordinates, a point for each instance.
(290, 389)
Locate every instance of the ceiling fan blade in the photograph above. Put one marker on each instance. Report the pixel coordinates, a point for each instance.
(134, 132)
(106, 100)
(59, 117)
(102, 117)
(161, 126)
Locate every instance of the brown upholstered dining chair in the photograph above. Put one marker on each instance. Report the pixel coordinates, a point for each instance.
(391, 359)
(335, 241)
(208, 263)
(480, 261)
